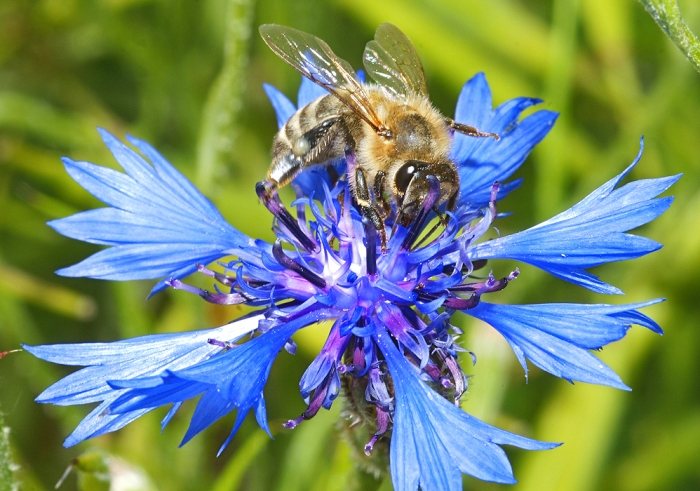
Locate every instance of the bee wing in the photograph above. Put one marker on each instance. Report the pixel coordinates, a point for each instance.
(392, 61)
(314, 59)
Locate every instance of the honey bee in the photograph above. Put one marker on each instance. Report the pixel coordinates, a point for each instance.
(390, 130)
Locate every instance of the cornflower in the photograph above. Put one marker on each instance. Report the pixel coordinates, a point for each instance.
(391, 346)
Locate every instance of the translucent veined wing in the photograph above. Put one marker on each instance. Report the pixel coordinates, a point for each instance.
(392, 61)
(314, 59)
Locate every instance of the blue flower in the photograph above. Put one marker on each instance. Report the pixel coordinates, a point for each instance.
(391, 312)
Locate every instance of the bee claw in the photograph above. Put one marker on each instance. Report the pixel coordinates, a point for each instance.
(382, 234)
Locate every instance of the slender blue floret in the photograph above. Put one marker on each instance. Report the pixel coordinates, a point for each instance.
(391, 336)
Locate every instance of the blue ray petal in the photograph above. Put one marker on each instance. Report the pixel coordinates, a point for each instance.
(557, 337)
(231, 380)
(483, 161)
(309, 92)
(433, 441)
(130, 358)
(159, 224)
(283, 107)
(590, 233)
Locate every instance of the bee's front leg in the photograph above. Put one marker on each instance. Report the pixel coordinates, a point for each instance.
(381, 204)
(368, 209)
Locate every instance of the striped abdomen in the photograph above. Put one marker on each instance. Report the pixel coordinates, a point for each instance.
(314, 134)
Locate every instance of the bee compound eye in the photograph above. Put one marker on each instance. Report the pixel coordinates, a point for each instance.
(405, 174)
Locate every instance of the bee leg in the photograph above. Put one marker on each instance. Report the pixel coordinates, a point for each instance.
(452, 203)
(367, 208)
(470, 130)
(382, 205)
(441, 217)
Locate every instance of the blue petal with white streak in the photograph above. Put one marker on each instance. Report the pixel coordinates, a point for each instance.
(231, 380)
(123, 360)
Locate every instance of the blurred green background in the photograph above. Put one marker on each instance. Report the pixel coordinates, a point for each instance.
(186, 76)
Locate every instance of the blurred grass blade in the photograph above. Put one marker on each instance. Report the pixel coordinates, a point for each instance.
(6, 479)
(26, 115)
(218, 131)
(551, 170)
(230, 478)
(386, 485)
(18, 284)
(308, 451)
(425, 25)
(667, 15)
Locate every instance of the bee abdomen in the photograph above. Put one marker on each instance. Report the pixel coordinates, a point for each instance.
(311, 136)
(309, 116)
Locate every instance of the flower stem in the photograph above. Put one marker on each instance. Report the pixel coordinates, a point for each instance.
(667, 15)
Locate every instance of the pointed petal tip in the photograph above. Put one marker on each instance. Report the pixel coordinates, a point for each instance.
(108, 137)
(71, 441)
(551, 445)
(67, 272)
(478, 77)
(68, 162)
(159, 287)
(135, 141)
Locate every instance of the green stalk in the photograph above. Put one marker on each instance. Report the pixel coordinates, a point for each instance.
(218, 130)
(667, 15)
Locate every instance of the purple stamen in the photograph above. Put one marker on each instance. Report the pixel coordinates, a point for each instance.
(316, 403)
(215, 298)
(382, 427)
(227, 345)
(462, 303)
(292, 265)
(433, 371)
(293, 423)
(268, 197)
(223, 279)
(451, 302)
(489, 286)
(456, 372)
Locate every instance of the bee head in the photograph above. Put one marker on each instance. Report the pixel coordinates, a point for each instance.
(412, 186)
